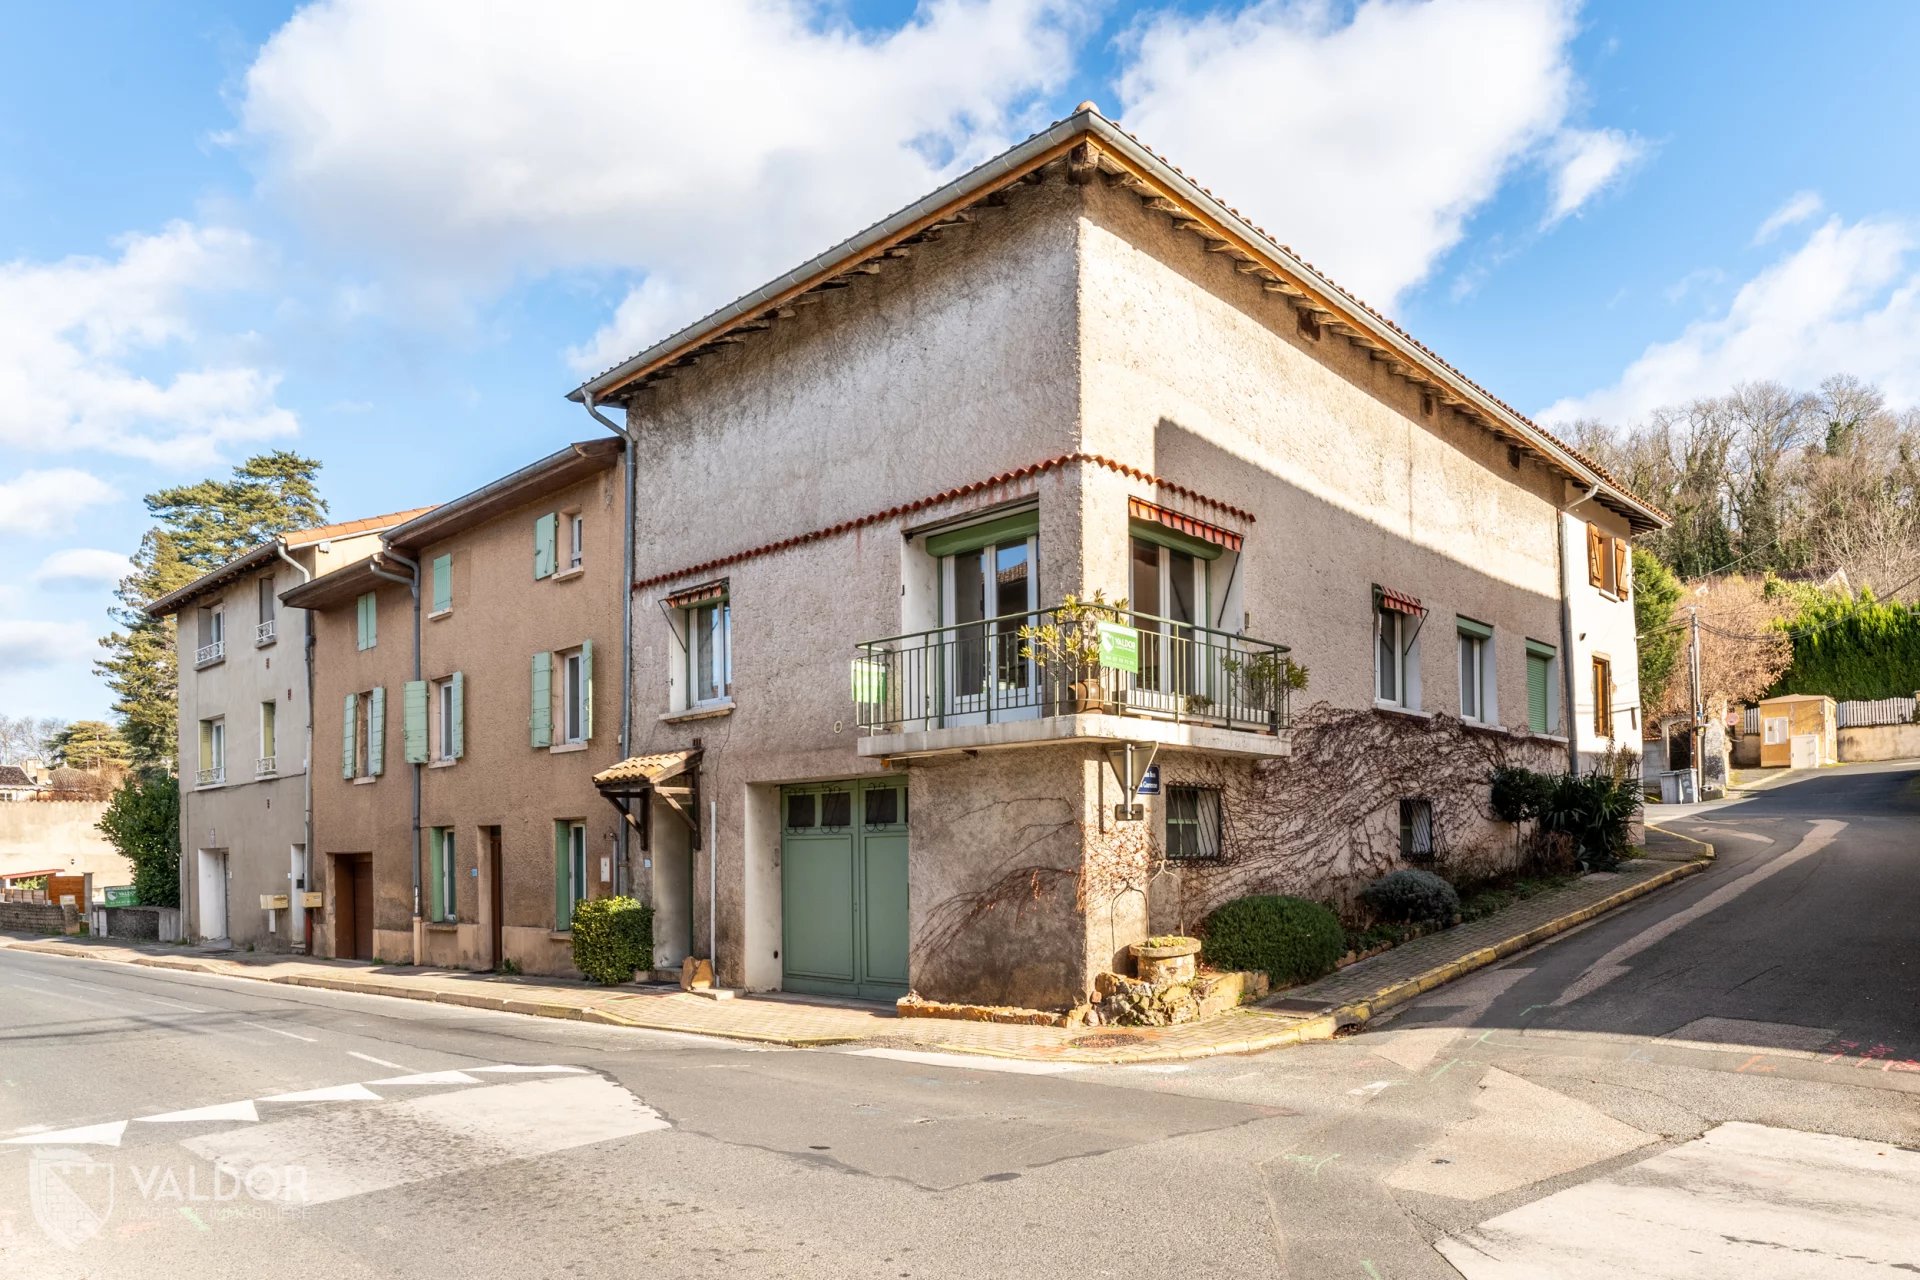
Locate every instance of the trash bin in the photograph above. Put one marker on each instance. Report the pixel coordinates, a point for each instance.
(1677, 787)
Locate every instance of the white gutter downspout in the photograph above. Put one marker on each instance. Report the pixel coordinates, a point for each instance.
(623, 872)
(413, 585)
(1566, 625)
(306, 767)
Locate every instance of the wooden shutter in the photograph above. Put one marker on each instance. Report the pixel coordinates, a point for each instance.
(442, 583)
(540, 718)
(377, 731)
(413, 721)
(562, 891)
(1621, 557)
(1596, 557)
(545, 536)
(586, 689)
(347, 743)
(459, 715)
(1602, 697)
(436, 862)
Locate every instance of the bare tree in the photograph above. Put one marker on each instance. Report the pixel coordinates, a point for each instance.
(24, 738)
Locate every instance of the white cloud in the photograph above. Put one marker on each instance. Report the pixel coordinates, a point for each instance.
(1845, 301)
(1801, 206)
(41, 502)
(82, 567)
(74, 333)
(1364, 139)
(27, 644)
(705, 146)
(1587, 162)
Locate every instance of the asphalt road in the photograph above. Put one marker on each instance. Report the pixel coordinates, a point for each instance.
(1722, 1079)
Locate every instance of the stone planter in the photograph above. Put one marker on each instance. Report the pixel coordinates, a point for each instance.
(1161, 965)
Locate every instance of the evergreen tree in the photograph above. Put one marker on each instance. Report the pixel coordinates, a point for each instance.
(88, 744)
(1655, 593)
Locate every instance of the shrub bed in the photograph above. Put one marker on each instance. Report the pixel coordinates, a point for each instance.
(1288, 939)
(612, 937)
(1412, 896)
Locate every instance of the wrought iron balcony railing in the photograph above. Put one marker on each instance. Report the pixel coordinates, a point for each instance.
(210, 653)
(986, 672)
(264, 633)
(213, 777)
(265, 767)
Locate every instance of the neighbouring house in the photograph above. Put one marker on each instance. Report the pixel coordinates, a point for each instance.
(244, 725)
(17, 784)
(1073, 370)
(468, 688)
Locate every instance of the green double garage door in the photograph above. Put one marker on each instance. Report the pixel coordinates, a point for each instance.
(843, 881)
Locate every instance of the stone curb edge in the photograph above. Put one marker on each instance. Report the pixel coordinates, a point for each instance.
(1358, 1012)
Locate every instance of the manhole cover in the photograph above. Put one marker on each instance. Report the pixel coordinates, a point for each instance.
(1104, 1040)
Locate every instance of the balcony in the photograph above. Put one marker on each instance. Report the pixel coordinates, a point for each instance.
(265, 767)
(263, 634)
(214, 777)
(208, 654)
(1108, 674)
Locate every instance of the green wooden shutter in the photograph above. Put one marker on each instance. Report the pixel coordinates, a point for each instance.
(545, 537)
(436, 856)
(413, 721)
(586, 689)
(972, 537)
(442, 583)
(459, 715)
(377, 731)
(562, 890)
(368, 607)
(540, 720)
(346, 744)
(1539, 685)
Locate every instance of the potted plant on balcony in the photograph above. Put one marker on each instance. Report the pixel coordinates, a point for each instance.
(1066, 648)
(1264, 680)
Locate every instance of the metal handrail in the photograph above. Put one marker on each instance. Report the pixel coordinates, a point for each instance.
(264, 632)
(210, 652)
(973, 672)
(265, 767)
(210, 777)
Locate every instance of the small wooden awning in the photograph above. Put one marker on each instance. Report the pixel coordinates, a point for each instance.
(1180, 522)
(673, 776)
(706, 591)
(645, 771)
(1400, 602)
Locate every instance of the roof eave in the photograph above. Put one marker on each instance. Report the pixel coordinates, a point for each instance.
(175, 600)
(556, 470)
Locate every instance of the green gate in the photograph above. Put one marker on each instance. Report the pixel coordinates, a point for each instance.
(843, 889)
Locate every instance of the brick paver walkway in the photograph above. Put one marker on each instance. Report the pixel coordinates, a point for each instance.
(1424, 962)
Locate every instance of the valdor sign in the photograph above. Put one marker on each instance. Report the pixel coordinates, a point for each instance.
(1119, 647)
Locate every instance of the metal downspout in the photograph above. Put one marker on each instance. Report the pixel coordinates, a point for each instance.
(1566, 626)
(306, 765)
(622, 863)
(413, 586)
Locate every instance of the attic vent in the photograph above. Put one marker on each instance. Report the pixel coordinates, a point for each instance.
(1309, 324)
(1426, 404)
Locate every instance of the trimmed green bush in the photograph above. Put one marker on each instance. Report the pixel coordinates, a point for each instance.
(1288, 939)
(611, 938)
(1412, 896)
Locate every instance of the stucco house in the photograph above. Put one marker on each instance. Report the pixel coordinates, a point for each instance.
(244, 695)
(1074, 371)
(468, 689)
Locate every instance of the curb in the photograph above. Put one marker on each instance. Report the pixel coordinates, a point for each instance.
(1358, 1013)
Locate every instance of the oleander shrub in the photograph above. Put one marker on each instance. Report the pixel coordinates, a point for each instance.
(612, 937)
(1412, 896)
(1289, 939)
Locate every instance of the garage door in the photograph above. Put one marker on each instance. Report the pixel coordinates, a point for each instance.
(843, 877)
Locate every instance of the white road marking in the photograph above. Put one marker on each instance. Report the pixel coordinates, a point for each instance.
(242, 1111)
(379, 1062)
(1613, 964)
(288, 1034)
(1370, 1090)
(429, 1077)
(512, 1068)
(189, 1008)
(331, 1093)
(92, 1135)
(1737, 835)
(972, 1062)
(1742, 1202)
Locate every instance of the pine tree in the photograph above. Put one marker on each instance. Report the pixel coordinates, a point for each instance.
(89, 744)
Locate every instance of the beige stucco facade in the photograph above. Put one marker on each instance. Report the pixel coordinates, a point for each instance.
(497, 795)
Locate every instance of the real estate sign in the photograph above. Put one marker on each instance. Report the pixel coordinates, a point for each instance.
(1119, 647)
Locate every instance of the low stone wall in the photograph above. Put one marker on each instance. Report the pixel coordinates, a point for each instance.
(38, 917)
(133, 922)
(1880, 742)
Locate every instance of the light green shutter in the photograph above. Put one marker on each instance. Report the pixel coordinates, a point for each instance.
(346, 744)
(377, 731)
(367, 616)
(1468, 627)
(442, 583)
(413, 721)
(586, 689)
(1539, 685)
(436, 855)
(562, 889)
(974, 536)
(540, 720)
(459, 715)
(545, 537)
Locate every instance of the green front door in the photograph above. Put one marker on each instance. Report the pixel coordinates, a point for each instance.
(843, 885)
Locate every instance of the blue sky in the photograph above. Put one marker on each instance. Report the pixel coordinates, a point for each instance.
(393, 236)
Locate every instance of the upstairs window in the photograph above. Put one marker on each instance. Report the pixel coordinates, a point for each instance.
(1540, 686)
(263, 632)
(1477, 682)
(576, 539)
(367, 621)
(1608, 562)
(1396, 649)
(1602, 698)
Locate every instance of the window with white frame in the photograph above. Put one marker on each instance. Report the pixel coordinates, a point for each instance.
(710, 651)
(269, 735)
(1478, 687)
(263, 632)
(213, 751)
(1396, 652)
(570, 846)
(213, 635)
(576, 539)
(573, 696)
(448, 880)
(444, 705)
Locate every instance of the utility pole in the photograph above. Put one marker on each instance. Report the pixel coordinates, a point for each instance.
(1696, 700)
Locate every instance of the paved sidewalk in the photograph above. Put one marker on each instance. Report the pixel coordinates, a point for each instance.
(1347, 997)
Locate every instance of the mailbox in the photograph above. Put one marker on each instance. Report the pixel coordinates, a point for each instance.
(311, 900)
(273, 902)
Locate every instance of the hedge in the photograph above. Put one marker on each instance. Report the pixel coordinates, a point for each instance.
(1289, 939)
(612, 937)
(1859, 648)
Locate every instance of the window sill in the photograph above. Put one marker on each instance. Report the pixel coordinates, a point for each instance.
(442, 764)
(560, 935)
(210, 662)
(371, 777)
(438, 614)
(1396, 709)
(568, 575)
(268, 643)
(705, 711)
(567, 748)
(442, 926)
